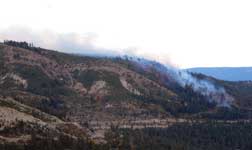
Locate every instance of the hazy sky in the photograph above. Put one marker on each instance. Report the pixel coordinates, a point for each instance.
(187, 33)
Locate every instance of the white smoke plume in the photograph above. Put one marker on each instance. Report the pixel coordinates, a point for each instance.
(64, 42)
(214, 93)
(85, 44)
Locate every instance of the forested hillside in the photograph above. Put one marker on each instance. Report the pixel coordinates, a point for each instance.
(54, 100)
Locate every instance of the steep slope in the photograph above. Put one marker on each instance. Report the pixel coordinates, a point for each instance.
(45, 87)
(21, 125)
(79, 88)
(108, 88)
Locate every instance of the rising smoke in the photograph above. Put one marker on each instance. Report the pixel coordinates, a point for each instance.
(85, 44)
(65, 42)
(209, 89)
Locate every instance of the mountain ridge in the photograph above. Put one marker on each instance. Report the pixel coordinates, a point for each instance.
(225, 73)
(92, 94)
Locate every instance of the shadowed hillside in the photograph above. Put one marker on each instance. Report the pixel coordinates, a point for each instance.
(79, 98)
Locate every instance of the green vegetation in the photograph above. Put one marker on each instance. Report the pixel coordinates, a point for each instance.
(40, 83)
(43, 138)
(2, 67)
(224, 113)
(169, 106)
(63, 58)
(181, 136)
(187, 102)
(23, 44)
(184, 136)
(52, 94)
(241, 91)
(88, 77)
(1, 55)
(5, 102)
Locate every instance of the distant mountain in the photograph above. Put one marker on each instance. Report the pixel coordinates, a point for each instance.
(226, 73)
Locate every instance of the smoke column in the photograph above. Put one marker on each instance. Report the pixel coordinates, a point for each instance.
(75, 43)
(214, 93)
(205, 87)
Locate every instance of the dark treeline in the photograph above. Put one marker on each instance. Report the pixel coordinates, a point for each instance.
(181, 136)
(184, 136)
(22, 44)
(50, 143)
(42, 138)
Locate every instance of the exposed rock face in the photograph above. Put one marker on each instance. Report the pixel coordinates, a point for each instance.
(80, 88)
(57, 92)
(19, 81)
(9, 116)
(98, 88)
(129, 87)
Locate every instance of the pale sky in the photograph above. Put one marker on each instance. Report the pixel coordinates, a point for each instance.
(187, 33)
